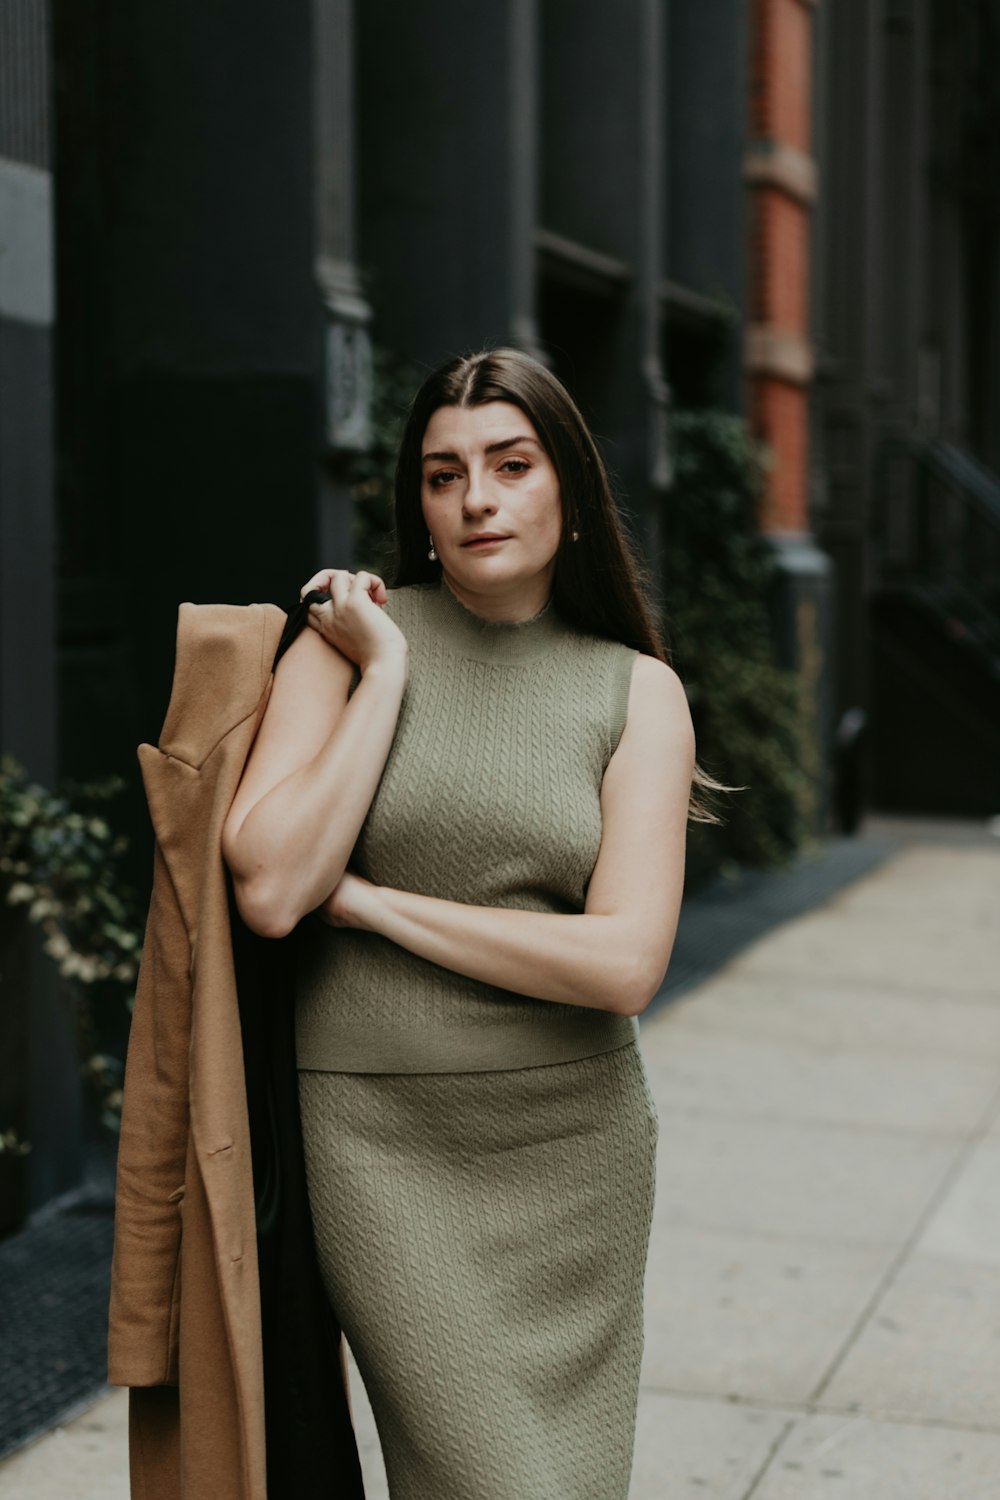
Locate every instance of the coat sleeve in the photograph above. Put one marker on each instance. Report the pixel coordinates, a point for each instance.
(145, 1269)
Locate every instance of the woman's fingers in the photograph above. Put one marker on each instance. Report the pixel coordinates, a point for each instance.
(319, 580)
(371, 583)
(344, 619)
(341, 589)
(347, 620)
(338, 585)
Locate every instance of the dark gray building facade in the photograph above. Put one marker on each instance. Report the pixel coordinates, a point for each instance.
(217, 211)
(40, 1088)
(906, 437)
(210, 216)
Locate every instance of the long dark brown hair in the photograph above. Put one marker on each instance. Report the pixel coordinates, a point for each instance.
(599, 585)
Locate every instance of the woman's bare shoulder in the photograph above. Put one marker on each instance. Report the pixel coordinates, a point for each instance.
(658, 705)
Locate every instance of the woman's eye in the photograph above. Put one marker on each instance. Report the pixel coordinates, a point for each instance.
(512, 465)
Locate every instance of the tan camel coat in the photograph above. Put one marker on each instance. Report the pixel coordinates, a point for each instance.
(184, 1329)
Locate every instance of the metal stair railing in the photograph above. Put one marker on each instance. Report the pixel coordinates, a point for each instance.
(936, 536)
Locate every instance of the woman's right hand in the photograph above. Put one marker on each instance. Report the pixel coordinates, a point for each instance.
(352, 619)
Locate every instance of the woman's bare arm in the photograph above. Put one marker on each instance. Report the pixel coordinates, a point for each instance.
(316, 761)
(614, 955)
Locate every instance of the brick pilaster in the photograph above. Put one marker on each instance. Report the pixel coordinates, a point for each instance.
(781, 177)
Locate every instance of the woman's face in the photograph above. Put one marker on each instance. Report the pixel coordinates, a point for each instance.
(485, 472)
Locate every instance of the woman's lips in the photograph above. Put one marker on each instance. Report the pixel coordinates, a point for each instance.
(486, 541)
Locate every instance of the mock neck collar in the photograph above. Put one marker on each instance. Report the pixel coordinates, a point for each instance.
(502, 641)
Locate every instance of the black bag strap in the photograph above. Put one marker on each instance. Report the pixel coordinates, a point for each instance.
(296, 622)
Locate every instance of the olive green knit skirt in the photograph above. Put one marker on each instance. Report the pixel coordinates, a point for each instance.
(483, 1239)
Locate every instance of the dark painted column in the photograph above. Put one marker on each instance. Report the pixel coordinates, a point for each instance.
(347, 383)
(705, 237)
(944, 389)
(904, 248)
(193, 325)
(40, 1090)
(27, 534)
(447, 185)
(850, 389)
(601, 239)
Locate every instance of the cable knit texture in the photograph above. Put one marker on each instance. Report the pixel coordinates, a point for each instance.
(483, 1237)
(480, 1163)
(490, 795)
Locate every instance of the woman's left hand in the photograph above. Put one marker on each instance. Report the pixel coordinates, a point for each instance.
(347, 902)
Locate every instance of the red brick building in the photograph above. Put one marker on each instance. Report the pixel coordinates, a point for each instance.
(781, 174)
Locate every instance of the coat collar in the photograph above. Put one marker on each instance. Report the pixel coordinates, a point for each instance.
(221, 672)
(222, 681)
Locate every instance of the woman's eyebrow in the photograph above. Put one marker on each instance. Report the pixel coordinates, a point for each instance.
(511, 442)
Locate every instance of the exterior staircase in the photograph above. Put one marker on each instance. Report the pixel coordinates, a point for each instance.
(934, 631)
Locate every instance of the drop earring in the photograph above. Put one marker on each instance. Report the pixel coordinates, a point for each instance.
(431, 554)
(575, 536)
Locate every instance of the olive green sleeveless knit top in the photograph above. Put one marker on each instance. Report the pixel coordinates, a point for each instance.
(490, 795)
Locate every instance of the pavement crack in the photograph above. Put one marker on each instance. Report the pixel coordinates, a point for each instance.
(948, 1180)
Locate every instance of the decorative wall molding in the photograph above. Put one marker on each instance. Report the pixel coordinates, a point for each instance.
(769, 163)
(26, 273)
(348, 376)
(572, 261)
(768, 350)
(696, 306)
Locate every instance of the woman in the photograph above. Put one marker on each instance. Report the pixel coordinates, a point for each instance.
(479, 782)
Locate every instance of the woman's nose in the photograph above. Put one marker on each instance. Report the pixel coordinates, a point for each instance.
(477, 495)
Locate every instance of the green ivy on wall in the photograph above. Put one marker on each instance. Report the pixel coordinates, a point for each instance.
(60, 865)
(395, 382)
(750, 720)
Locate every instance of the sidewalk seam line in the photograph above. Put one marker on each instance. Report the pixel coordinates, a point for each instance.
(974, 1137)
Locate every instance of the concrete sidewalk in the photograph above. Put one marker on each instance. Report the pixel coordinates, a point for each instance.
(823, 1297)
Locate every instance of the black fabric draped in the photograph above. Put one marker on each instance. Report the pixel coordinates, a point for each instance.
(311, 1448)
